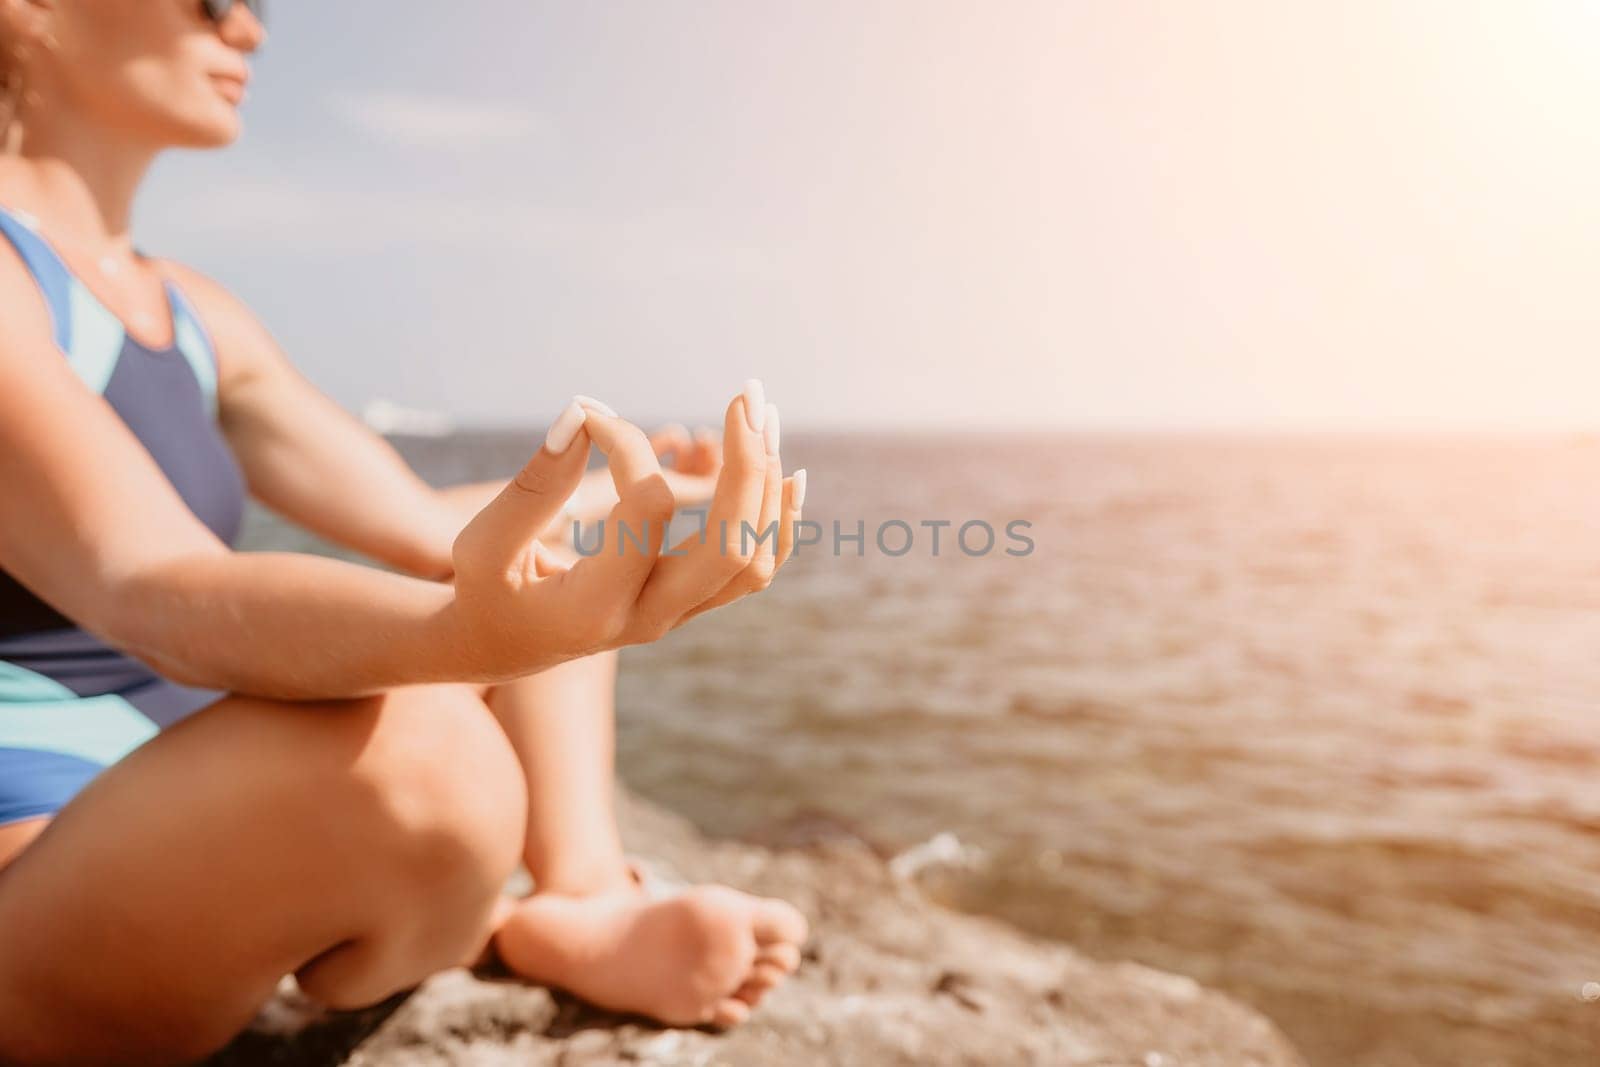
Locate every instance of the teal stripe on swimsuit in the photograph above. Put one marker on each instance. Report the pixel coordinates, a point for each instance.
(40, 713)
(192, 340)
(86, 329)
(97, 338)
(52, 740)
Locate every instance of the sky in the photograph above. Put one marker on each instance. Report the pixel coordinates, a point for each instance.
(922, 213)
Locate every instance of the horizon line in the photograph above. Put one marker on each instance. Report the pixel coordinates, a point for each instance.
(1325, 428)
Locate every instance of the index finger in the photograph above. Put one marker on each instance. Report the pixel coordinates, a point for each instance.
(640, 516)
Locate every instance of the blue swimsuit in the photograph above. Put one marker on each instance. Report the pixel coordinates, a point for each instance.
(70, 705)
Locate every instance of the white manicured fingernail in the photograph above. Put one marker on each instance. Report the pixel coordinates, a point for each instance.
(559, 437)
(599, 405)
(755, 403)
(799, 488)
(771, 431)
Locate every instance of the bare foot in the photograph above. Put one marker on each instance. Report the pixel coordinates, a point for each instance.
(706, 955)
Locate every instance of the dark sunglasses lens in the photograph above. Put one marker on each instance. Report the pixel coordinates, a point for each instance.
(218, 9)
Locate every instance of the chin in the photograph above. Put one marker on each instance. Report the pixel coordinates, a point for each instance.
(209, 131)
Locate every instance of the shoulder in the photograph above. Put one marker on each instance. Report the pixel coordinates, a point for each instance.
(221, 309)
(27, 310)
(244, 347)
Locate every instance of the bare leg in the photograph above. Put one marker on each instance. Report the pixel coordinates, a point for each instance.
(706, 955)
(360, 844)
(14, 837)
(561, 723)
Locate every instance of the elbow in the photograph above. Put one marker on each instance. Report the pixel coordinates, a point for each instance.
(166, 654)
(176, 670)
(423, 563)
(429, 553)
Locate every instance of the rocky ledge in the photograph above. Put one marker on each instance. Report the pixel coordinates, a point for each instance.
(889, 978)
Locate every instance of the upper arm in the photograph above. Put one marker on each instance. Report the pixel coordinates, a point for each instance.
(84, 504)
(305, 456)
(252, 371)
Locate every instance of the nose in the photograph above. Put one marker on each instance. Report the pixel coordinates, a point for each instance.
(242, 30)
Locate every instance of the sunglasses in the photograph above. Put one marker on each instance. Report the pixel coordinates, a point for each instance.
(218, 10)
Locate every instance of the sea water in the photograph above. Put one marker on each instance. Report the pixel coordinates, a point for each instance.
(1315, 720)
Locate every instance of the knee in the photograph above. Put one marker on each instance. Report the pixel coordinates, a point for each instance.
(441, 789)
(436, 817)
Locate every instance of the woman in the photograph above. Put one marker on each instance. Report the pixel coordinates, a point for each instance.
(217, 768)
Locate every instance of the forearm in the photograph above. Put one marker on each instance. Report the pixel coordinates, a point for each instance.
(451, 509)
(459, 503)
(291, 626)
(319, 467)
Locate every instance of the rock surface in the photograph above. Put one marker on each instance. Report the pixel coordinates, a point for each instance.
(889, 978)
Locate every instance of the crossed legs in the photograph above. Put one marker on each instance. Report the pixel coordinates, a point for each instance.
(361, 845)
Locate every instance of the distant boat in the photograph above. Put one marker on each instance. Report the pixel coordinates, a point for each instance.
(387, 417)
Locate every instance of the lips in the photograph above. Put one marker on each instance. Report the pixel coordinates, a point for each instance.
(231, 86)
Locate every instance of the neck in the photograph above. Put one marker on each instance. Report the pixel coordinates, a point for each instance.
(81, 182)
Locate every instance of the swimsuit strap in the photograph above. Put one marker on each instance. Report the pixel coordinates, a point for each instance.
(51, 274)
(189, 336)
(93, 338)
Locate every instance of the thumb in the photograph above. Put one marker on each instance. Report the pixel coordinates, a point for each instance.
(497, 538)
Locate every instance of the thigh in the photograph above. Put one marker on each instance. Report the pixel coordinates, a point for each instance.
(35, 784)
(166, 900)
(16, 836)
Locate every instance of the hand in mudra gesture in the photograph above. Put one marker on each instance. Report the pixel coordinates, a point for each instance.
(690, 463)
(520, 609)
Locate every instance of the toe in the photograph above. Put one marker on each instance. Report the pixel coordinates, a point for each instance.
(729, 1012)
(766, 975)
(763, 979)
(778, 921)
(783, 955)
(750, 994)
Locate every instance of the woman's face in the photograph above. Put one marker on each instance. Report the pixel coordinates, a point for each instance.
(158, 71)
